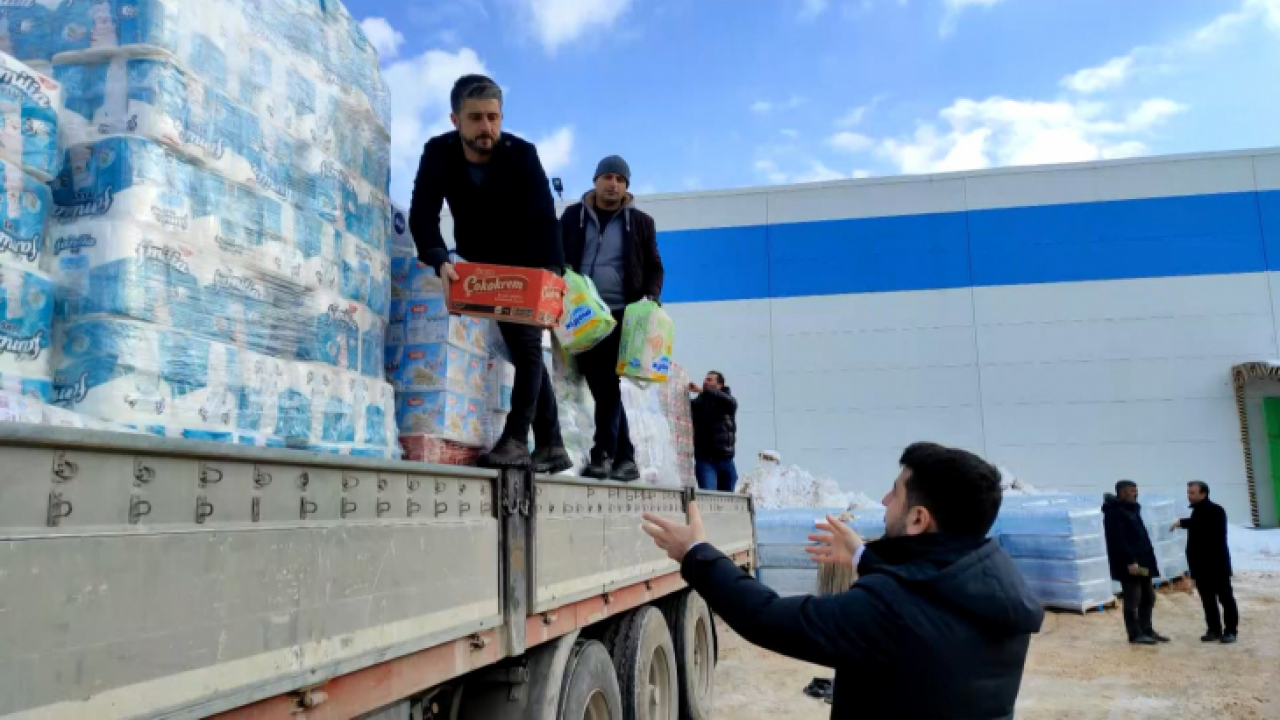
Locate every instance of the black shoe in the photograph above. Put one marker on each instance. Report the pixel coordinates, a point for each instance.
(819, 689)
(1228, 638)
(1157, 637)
(1211, 636)
(625, 471)
(599, 468)
(551, 460)
(507, 454)
(1142, 640)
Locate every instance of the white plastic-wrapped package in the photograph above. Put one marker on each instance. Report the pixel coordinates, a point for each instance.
(651, 434)
(24, 214)
(29, 106)
(26, 308)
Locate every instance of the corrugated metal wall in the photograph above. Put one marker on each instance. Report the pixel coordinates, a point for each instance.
(1076, 324)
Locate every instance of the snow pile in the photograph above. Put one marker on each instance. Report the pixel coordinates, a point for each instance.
(772, 486)
(1011, 485)
(1254, 549)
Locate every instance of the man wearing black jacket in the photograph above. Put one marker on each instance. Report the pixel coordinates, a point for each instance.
(503, 214)
(715, 434)
(939, 621)
(610, 241)
(1133, 561)
(1209, 559)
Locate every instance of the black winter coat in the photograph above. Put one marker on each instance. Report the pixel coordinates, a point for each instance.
(935, 627)
(1127, 538)
(643, 273)
(508, 220)
(715, 425)
(1208, 556)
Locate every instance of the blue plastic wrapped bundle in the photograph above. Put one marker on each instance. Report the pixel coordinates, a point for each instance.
(1078, 572)
(1061, 547)
(1051, 519)
(29, 105)
(26, 331)
(1072, 596)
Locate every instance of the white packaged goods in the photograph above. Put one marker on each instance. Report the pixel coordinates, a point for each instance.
(219, 219)
(29, 105)
(26, 307)
(586, 319)
(647, 336)
(24, 212)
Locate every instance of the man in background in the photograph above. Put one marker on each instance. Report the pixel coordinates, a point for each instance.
(610, 241)
(939, 621)
(1133, 561)
(503, 214)
(715, 434)
(1209, 559)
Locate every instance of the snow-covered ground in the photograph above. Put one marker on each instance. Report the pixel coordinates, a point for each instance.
(1254, 549)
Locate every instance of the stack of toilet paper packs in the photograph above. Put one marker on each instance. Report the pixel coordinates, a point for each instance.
(452, 381)
(219, 223)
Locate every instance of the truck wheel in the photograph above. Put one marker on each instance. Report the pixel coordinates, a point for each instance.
(590, 689)
(645, 658)
(693, 631)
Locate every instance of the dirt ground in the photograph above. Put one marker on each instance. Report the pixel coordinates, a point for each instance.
(1079, 667)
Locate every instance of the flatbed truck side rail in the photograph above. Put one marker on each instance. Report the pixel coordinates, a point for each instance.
(148, 577)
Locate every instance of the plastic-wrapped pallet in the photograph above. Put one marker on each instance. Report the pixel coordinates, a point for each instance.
(1058, 544)
(782, 534)
(220, 220)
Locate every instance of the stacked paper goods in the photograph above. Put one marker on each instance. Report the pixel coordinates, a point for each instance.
(453, 385)
(220, 219)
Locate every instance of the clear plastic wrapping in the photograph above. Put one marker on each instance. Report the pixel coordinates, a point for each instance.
(26, 321)
(29, 104)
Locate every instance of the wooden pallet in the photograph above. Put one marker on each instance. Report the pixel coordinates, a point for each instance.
(1082, 609)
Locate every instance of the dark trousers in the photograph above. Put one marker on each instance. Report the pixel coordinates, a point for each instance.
(599, 367)
(1139, 602)
(718, 476)
(1215, 591)
(533, 400)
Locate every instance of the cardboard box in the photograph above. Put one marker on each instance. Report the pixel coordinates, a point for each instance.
(508, 294)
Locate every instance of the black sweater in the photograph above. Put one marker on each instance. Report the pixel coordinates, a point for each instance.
(935, 627)
(509, 219)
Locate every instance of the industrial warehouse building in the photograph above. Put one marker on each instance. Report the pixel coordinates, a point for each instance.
(1075, 324)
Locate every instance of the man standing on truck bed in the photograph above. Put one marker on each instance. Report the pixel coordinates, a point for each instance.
(503, 214)
(939, 621)
(616, 245)
(715, 434)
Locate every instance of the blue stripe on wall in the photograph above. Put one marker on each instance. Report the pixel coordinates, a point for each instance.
(1161, 237)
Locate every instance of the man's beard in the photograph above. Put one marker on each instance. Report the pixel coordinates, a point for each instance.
(477, 148)
(895, 527)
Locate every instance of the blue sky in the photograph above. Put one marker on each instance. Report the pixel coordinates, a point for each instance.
(707, 94)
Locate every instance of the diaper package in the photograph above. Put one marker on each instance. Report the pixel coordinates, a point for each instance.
(441, 414)
(647, 335)
(438, 366)
(29, 105)
(586, 319)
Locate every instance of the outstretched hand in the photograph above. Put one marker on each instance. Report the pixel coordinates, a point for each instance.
(675, 538)
(837, 544)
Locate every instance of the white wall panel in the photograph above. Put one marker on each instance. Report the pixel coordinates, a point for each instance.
(706, 211)
(866, 199)
(1228, 336)
(1107, 381)
(1266, 170)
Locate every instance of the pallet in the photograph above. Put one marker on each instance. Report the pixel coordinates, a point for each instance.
(1173, 582)
(1082, 609)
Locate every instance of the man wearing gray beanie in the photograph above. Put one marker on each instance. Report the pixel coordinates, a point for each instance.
(610, 241)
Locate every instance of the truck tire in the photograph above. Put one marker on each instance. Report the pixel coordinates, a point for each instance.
(694, 633)
(645, 658)
(590, 690)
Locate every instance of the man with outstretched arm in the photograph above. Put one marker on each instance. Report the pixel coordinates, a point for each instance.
(715, 433)
(503, 214)
(939, 621)
(1209, 560)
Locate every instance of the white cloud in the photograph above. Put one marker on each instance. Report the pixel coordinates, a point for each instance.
(789, 133)
(420, 107)
(862, 174)
(384, 38)
(559, 22)
(850, 142)
(1096, 79)
(815, 171)
(811, 9)
(1000, 132)
(953, 9)
(763, 107)
(853, 117)
(556, 150)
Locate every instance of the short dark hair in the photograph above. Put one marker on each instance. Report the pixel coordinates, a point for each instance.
(1122, 485)
(1201, 485)
(959, 489)
(473, 87)
(719, 376)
